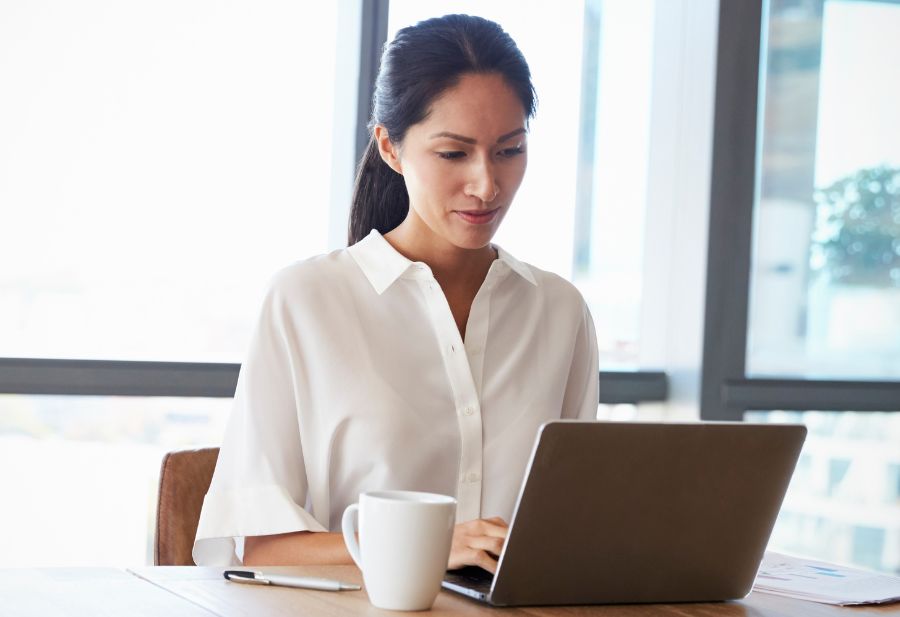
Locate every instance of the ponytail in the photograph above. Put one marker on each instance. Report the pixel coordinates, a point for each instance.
(380, 200)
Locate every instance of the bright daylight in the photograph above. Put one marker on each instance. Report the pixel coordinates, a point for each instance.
(366, 305)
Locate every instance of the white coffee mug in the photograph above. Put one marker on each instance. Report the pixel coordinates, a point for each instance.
(404, 545)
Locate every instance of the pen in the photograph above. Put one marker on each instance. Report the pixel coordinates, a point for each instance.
(301, 582)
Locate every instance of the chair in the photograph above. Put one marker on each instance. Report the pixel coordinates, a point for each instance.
(183, 481)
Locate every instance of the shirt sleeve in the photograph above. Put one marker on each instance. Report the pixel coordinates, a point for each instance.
(582, 395)
(260, 482)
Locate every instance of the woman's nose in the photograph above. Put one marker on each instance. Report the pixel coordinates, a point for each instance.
(483, 183)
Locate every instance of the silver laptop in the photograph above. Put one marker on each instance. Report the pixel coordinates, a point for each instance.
(615, 512)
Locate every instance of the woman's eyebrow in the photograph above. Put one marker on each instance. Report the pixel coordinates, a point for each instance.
(503, 138)
(472, 140)
(467, 140)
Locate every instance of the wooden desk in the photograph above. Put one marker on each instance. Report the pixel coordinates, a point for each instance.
(203, 592)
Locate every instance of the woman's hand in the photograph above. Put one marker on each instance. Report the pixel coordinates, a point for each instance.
(478, 543)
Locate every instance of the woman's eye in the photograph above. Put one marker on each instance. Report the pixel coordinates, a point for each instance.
(451, 155)
(510, 152)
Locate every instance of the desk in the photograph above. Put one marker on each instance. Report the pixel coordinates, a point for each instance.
(203, 592)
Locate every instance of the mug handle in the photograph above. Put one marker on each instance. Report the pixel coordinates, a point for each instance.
(349, 530)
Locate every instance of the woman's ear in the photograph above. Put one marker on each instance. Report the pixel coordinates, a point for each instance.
(389, 151)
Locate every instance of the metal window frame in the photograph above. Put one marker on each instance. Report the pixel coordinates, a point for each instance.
(726, 392)
(117, 378)
(633, 387)
(373, 36)
(47, 376)
(43, 376)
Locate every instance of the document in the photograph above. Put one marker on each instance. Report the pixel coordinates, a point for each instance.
(828, 583)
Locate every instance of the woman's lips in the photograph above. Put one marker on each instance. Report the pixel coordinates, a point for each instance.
(477, 217)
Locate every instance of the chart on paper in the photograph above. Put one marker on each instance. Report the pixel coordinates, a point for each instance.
(824, 582)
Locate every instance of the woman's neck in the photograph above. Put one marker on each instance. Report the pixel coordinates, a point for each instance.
(452, 266)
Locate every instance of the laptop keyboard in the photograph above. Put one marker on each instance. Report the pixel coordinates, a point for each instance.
(472, 577)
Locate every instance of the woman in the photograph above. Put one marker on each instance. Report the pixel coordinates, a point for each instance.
(421, 357)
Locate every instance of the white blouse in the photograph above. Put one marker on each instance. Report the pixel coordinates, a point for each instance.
(357, 379)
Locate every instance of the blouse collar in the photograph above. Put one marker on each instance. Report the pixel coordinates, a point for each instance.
(382, 264)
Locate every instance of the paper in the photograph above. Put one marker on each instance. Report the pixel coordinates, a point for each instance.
(828, 583)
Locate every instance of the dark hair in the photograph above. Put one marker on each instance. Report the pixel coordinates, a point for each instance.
(416, 67)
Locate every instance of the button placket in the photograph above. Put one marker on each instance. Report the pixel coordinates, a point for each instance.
(479, 319)
(465, 396)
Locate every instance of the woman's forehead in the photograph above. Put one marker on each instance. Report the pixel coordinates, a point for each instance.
(480, 103)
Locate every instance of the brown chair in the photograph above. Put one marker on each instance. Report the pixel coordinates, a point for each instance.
(183, 481)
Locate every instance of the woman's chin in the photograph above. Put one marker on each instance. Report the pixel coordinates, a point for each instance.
(474, 240)
(472, 236)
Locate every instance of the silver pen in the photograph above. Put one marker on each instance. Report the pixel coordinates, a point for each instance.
(301, 582)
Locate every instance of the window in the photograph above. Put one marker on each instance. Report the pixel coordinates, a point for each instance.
(79, 474)
(157, 165)
(843, 504)
(825, 284)
(825, 279)
(802, 314)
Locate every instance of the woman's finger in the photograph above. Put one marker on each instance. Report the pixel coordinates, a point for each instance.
(486, 543)
(470, 556)
(487, 527)
(483, 560)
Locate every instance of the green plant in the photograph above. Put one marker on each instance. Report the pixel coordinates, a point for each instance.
(857, 236)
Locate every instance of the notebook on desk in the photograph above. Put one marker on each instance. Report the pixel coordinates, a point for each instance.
(615, 512)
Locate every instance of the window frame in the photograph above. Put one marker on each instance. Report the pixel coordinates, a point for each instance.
(219, 380)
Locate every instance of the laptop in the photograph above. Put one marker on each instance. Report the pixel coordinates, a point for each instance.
(616, 512)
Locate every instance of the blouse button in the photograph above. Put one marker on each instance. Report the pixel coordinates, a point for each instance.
(452, 348)
(468, 411)
(473, 477)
